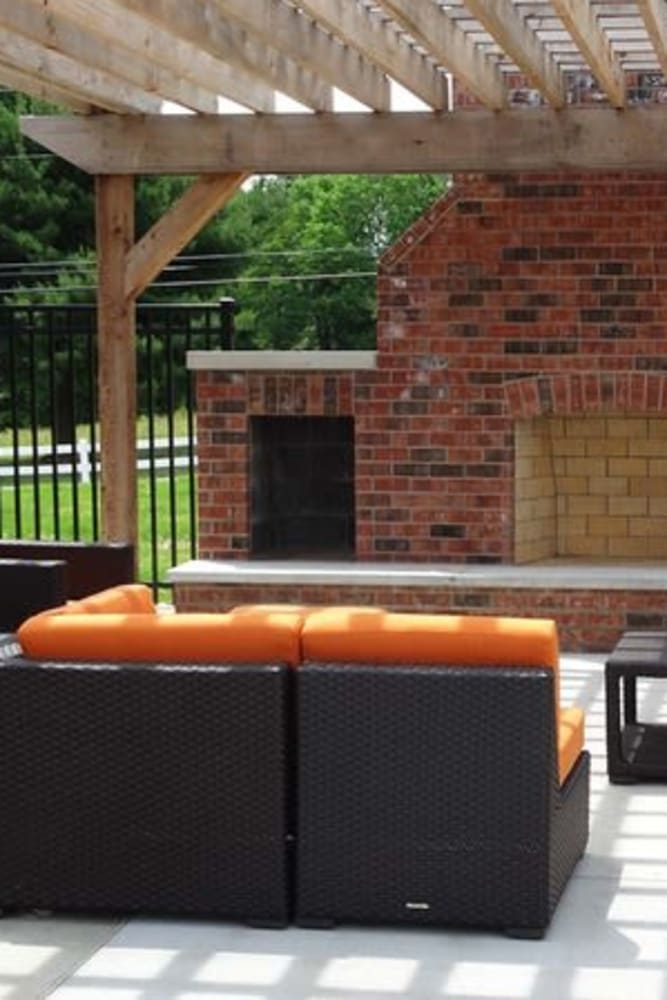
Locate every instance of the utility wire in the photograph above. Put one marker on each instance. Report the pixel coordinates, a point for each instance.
(84, 263)
(326, 276)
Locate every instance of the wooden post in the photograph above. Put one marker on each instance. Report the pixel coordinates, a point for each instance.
(125, 268)
(117, 381)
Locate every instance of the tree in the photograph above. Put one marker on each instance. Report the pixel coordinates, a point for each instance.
(46, 205)
(312, 283)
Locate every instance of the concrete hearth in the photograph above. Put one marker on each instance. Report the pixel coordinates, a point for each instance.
(592, 603)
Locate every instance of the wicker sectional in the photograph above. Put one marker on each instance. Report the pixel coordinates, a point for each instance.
(285, 786)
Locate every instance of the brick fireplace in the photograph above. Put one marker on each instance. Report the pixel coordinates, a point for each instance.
(515, 411)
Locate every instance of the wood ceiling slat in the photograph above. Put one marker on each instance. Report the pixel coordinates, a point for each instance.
(580, 20)
(451, 47)
(16, 79)
(654, 14)
(299, 38)
(378, 41)
(143, 39)
(519, 42)
(201, 24)
(55, 69)
(78, 41)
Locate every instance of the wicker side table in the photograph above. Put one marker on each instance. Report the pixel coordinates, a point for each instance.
(636, 750)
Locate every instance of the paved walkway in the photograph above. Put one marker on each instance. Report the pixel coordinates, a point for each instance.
(608, 940)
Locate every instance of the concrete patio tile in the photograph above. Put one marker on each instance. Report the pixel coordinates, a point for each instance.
(37, 953)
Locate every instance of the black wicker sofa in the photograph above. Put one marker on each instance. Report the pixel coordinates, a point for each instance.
(136, 786)
(439, 781)
(275, 763)
(28, 586)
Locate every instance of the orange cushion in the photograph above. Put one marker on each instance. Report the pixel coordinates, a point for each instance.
(132, 598)
(570, 739)
(180, 638)
(375, 636)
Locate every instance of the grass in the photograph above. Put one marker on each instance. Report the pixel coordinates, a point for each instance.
(38, 510)
(44, 434)
(168, 551)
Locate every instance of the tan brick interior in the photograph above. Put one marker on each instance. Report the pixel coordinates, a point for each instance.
(534, 491)
(591, 486)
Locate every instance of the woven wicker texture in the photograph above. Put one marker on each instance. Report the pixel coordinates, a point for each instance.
(428, 795)
(143, 788)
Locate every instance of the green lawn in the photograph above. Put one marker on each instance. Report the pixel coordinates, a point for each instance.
(45, 527)
(38, 516)
(160, 425)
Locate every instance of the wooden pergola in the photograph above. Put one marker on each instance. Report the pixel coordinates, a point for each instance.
(155, 86)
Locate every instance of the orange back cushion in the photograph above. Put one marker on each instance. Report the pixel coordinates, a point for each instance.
(130, 598)
(374, 636)
(342, 635)
(184, 638)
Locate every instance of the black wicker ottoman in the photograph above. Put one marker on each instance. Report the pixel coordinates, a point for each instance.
(159, 789)
(430, 795)
(636, 749)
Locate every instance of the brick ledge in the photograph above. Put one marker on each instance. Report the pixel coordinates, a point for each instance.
(560, 575)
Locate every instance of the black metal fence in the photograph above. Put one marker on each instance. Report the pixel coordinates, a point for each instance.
(49, 433)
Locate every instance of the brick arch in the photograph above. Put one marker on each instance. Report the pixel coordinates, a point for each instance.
(567, 394)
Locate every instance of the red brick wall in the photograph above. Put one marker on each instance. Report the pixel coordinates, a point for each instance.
(514, 295)
(588, 620)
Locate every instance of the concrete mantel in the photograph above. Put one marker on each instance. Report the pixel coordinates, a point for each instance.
(567, 575)
(239, 361)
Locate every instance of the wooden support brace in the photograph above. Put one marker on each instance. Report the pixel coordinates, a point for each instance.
(125, 268)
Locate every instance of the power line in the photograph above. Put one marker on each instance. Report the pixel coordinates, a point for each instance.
(323, 276)
(85, 263)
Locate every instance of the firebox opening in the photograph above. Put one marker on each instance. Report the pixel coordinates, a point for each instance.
(591, 487)
(302, 487)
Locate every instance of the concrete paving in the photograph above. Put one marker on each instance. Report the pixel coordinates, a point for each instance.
(608, 939)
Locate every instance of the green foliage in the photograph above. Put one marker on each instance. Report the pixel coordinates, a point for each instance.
(299, 254)
(314, 287)
(46, 205)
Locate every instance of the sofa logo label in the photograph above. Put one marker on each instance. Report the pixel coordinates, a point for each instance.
(417, 906)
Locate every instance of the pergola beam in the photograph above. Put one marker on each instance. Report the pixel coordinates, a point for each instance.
(400, 142)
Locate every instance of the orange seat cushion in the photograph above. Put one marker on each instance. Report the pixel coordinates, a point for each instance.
(570, 739)
(180, 638)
